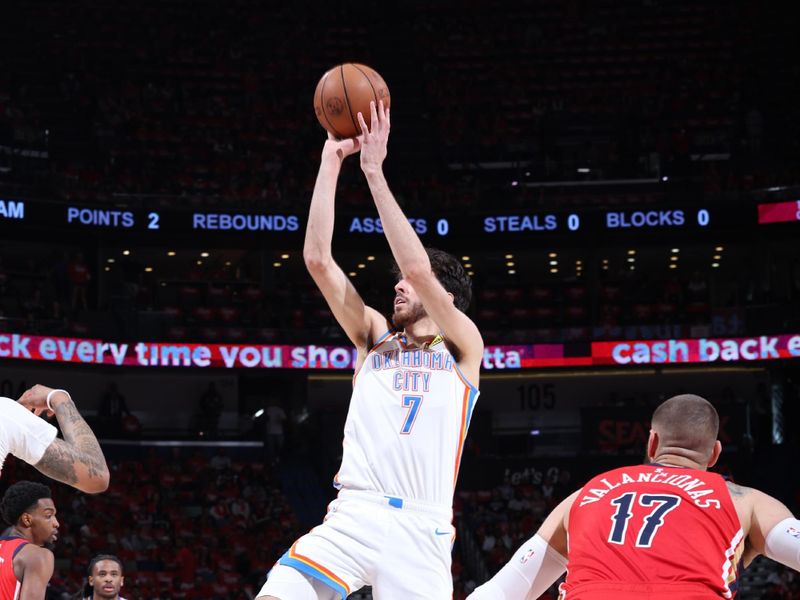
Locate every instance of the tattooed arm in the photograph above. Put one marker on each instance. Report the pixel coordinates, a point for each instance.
(77, 459)
(758, 514)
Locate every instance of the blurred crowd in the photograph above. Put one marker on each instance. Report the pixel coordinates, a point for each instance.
(211, 103)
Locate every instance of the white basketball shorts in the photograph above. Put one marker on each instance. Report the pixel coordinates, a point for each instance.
(401, 548)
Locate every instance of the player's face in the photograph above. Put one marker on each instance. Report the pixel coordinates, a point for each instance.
(44, 525)
(106, 579)
(407, 307)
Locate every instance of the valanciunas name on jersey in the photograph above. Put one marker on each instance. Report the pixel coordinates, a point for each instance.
(695, 488)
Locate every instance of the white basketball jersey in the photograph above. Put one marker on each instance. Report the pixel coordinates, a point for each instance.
(407, 422)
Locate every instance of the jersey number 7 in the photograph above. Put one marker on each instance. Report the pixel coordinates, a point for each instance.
(412, 403)
(661, 503)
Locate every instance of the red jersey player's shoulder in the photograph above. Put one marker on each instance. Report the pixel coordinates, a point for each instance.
(738, 491)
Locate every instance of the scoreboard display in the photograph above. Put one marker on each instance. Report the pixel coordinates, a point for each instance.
(508, 226)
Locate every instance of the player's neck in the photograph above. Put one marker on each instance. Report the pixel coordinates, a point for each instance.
(420, 333)
(26, 535)
(675, 460)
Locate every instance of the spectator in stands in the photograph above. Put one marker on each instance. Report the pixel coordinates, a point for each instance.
(209, 411)
(113, 409)
(79, 276)
(276, 417)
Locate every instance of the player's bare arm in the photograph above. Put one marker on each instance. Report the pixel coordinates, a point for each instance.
(409, 252)
(33, 566)
(361, 323)
(76, 459)
(769, 525)
(536, 565)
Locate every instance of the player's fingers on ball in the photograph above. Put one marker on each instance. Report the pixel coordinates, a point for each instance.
(363, 124)
(373, 111)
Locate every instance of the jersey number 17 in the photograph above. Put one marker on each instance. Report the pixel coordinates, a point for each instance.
(662, 504)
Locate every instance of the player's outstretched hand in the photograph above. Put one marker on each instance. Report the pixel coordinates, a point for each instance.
(376, 137)
(341, 148)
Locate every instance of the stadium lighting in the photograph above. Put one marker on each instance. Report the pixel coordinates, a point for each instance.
(126, 252)
(204, 254)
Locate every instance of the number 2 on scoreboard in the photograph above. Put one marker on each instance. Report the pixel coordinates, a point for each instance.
(412, 403)
(662, 503)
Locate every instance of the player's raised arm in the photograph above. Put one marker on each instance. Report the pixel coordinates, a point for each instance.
(408, 251)
(76, 460)
(360, 322)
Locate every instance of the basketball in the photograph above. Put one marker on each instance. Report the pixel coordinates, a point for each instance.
(343, 92)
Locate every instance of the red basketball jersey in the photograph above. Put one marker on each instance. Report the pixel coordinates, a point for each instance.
(653, 532)
(9, 586)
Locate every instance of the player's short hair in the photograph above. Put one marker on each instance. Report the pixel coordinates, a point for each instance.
(100, 557)
(21, 497)
(687, 422)
(451, 275)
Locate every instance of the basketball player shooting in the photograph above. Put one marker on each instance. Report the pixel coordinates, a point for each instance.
(667, 529)
(414, 390)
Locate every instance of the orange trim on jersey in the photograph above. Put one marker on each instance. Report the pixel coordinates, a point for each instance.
(461, 376)
(314, 565)
(462, 434)
(382, 339)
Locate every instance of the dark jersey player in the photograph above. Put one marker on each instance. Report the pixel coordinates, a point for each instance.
(668, 529)
(25, 565)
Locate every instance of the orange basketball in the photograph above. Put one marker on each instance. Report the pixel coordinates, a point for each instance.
(343, 92)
